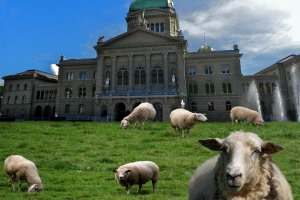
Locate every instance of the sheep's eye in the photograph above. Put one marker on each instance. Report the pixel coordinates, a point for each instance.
(256, 151)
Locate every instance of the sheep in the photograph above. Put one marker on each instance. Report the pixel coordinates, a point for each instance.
(242, 113)
(139, 173)
(184, 119)
(17, 167)
(143, 112)
(243, 170)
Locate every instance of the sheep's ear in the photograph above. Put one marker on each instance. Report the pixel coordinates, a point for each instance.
(114, 170)
(214, 144)
(32, 188)
(270, 148)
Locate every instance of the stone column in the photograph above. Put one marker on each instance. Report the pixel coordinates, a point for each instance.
(99, 78)
(166, 72)
(148, 72)
(113, 74)
(181, 73)
(130, 83)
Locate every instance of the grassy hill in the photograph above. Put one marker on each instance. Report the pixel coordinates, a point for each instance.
(76, 159)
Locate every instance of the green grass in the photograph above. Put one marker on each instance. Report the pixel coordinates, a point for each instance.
(76, 159)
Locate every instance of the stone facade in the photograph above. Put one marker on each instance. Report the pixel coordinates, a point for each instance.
(149, 62)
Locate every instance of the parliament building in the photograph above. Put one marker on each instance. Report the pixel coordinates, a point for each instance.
(149, 62)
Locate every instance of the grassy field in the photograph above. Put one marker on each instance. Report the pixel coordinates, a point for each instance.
(76, 159)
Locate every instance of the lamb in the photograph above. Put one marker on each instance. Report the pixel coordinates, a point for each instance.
(243, 170)
(139, 173)
(184, 119)
(242, 113)
(19, 168)
(145, 111)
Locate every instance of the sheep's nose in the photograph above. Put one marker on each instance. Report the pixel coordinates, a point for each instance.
(233, 175)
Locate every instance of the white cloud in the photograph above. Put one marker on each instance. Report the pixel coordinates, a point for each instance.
(54, 69)
(259, 27)
(1, 82)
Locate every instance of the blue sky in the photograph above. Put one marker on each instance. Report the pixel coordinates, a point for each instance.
(34, 33)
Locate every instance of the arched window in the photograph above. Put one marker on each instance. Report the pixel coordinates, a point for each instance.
(157, 27)
(82, 91)
(46, 94)
(69, 92)
(70, 76)
(38, 93)
(83, 76)
(81, 108)
(194, 107)
(25, 86)
(209, 88)
(18, 87)
(139, 76)
(93, 90)
(51, 94)
(16, 100)
(268, 86)
(228, 106)
(157, 75)
(162, 27)
(67, 108)
(8, 100)
(152, 27)
(211, 106)
(193, 88)
(24, 99)
(208, 69)
(261, 88)
(227, 88)
(123, 76)
(42, 94)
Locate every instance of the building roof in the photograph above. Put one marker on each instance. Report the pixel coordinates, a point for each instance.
(32, 74)
(144, 4)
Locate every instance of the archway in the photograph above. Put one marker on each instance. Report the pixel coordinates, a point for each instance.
(120, 110)
(38, 112)
(47, 112)
(159, 111)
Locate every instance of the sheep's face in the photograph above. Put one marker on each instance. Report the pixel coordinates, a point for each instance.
(124, 123)
(201, 117)
(122, 174)
(241, 154)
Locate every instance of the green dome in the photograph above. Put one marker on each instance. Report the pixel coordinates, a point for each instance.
(144, 4)
(205, 48)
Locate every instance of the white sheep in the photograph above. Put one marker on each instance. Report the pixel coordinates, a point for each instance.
(184, 119)
(137, 173)
(243, 170)
(245, 114)
(17, 167)
(143, 112)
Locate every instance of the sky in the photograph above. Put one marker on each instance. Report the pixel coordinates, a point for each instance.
(34, 33)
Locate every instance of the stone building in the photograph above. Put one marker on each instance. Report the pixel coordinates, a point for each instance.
(149, 62)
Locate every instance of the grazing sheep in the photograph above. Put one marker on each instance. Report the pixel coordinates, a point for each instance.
(143, 112)
(138, 173)
(245, 114)
(19, 168)
(243, 170)
(184, 119)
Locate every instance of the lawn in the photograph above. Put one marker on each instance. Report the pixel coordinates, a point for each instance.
(76, 159)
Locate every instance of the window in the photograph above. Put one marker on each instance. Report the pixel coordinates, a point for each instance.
(10, 88)
(157, 75)
(208, 69)
(81, 108)
(194, 107)
(193, 88)
(18, 87)
(67, 108)
(24, 99)
(123, 76)
(82, 91)
(152, 27)
(70, 76)
(16, 100)
(38, 93)
(227, 88)
(209, 88)
(225, 69)
(261, 88)
(192, 71)
(268, 86)
(139, 76)
(228, 106)
(157, 27)
(211, 106)
(69, 92)
(25, 86)
(83, 76)
(93, 90)
(94, 75)
(162, 27)
(8, 100)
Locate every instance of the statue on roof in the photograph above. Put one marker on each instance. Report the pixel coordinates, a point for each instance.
(101, 39)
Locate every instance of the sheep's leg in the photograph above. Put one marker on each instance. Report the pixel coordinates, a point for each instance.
(154, 185)
(182, 133)
(11, 180)
(20, 185)
(188, 132)
(128, 187)
(139, 188)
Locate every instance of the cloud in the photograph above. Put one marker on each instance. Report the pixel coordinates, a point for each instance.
(265, 27)
(54, 69)
(1, 82)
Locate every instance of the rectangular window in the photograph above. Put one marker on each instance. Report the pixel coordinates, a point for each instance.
(225, 69)
(192, 71)
(208, 69)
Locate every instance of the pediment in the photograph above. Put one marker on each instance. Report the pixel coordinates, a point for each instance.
(138, 37)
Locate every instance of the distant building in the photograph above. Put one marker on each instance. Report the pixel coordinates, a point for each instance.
(149, 62)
